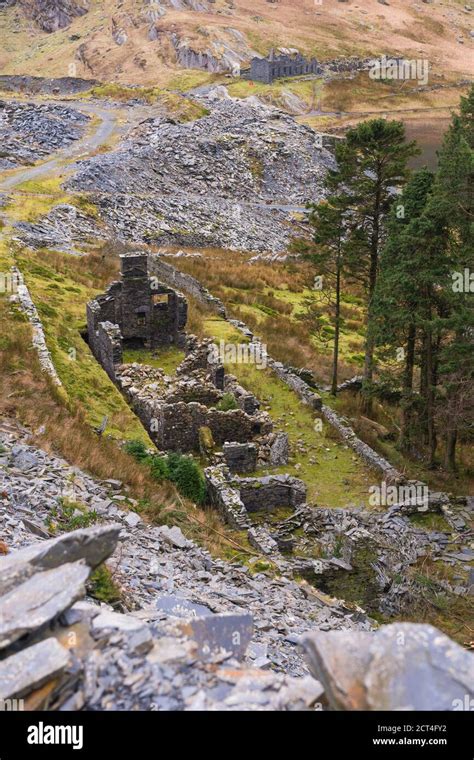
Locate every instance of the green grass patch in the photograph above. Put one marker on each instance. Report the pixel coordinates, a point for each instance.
(334, 475)
(166, 359)
(63, 315)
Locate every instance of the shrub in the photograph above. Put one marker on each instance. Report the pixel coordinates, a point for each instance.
(102, 586)
(186, 475)
(159, 468)
(227, 403)
(137, 450)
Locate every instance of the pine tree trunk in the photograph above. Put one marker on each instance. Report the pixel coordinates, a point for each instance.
(337, 326)
(431, 430)
(450, 455)
(407, 415)
(369, 343)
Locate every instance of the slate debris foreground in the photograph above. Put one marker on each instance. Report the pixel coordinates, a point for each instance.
(201, 635)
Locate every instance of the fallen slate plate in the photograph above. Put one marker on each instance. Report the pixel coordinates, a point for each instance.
(182, 608)
(31, 668)
(40, 599)
(221, 633)
(91, 544)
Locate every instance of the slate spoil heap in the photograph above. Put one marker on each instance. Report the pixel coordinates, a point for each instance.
(190, 183)
(30, 132)
(196, 633)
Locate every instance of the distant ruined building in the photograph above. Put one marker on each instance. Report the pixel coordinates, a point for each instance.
(274, 66)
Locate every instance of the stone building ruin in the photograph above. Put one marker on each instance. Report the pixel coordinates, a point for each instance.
(147, 313)
(140, 311)
(290, 64)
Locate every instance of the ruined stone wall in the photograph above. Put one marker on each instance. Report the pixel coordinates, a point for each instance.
(267, 69)
(174, 278)
(144, 309)
(240, 457)
(108, 348)
(229, 493)
(246, 400)
(177, 425)
(366, 452)
(222, 495)
(23, 298)
(270, 492)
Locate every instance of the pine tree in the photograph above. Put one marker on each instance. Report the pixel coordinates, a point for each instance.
(398, 304)
(451, 214)
(372, 164)
(326, 252)
(416, 300)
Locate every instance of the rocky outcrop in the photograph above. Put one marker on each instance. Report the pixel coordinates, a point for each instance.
(45, 86)
(51, 15)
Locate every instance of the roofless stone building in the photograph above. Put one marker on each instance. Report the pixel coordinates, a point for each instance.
(146, 312)
(282, 65)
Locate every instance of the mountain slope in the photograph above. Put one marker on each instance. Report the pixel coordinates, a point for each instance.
(134, 42)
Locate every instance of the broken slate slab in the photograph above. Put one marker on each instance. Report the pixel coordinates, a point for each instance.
(93, 545)
(31, 668)
(180, 607)
(40, 599)
(221, 633)
(116, 620)
(416, 667)
(173, 536)
(132, 519)
(339, 659)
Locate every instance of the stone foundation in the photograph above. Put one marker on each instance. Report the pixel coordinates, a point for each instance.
(255, 494)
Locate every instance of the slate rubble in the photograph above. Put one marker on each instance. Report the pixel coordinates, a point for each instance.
(30, 132)
(166, 652)
(152, 563)
(189, 183)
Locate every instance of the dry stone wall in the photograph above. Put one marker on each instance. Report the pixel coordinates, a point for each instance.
(23, 298)
(305, 393)
(175, 278)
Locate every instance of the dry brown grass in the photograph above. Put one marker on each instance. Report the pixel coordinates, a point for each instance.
(288, 339)
(103, 265)
(361, 28)
(220, 269)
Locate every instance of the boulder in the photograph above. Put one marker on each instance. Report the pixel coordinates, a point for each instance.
(40, 599)
(403, 666)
